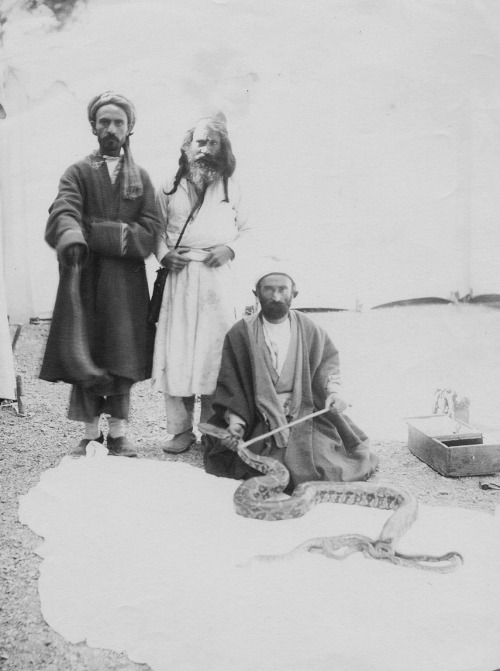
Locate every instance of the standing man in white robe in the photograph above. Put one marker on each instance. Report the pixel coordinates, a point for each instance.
(198, 307)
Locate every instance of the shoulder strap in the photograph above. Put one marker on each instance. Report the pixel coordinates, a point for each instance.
(196, 207)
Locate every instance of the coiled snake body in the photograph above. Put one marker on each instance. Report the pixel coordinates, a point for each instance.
(261, 498)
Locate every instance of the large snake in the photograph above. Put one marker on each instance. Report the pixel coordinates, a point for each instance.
(261, 497)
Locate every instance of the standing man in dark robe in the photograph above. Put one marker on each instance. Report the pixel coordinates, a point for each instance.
(278, 366)
(104, 223)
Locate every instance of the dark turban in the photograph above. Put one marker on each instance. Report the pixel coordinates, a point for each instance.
(132, 183)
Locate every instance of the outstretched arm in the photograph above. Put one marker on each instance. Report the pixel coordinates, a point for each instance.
(64, 227)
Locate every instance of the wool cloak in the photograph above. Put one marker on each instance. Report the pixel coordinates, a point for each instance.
(329, 447)
(113, 289)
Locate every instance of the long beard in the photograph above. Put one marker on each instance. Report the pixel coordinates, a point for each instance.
(202, 173)
(275, 310)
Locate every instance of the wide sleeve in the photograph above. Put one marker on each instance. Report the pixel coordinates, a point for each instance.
(329, 372)
(234, 392)
(64, 226)
(324, 361)
(143, 233)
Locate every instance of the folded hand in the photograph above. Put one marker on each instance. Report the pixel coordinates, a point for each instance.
(236, 432)
(218, 256)
(73, 254)
(175, 259)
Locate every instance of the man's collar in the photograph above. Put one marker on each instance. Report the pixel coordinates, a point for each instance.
(107, 157)
(264, 319)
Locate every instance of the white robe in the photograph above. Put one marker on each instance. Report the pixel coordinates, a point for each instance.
(198, 305)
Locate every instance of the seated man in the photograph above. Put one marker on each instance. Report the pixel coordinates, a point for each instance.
(278, 366)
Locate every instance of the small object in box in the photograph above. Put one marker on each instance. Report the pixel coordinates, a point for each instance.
(451, 447)
(449, 402)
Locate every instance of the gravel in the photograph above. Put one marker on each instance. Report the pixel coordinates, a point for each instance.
(38, 441)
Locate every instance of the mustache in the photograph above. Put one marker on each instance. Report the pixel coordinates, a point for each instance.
(209, 162)
(205, 159)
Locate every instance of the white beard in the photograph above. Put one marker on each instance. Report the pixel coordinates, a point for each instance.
(202, 175)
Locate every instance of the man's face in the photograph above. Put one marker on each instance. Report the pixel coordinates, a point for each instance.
(111, 128)
(275, 294)
(205, 146)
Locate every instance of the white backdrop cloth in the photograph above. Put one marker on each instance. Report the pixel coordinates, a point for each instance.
(366, 133)
(7, 375)
(145, 557)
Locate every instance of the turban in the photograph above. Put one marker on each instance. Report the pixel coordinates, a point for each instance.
(217, 120)
(111, 98)
(272, 265)
(132, 182)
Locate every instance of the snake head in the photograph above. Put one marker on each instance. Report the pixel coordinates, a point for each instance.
(381, 549)
(339, 547)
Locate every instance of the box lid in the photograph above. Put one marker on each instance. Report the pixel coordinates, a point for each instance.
(443, 427)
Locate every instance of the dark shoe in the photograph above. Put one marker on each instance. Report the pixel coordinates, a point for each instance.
(120, 447)
(181, 442)
(81, 449)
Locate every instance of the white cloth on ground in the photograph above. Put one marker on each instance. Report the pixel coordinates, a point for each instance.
(148, 557)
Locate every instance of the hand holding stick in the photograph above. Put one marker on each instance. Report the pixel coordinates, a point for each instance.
(222, 434)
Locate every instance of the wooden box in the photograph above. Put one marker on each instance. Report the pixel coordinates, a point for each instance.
(451, 447)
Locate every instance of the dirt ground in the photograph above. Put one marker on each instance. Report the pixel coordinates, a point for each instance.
(38, 441)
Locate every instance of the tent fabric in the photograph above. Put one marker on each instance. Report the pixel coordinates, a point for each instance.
(391, 187)
(7, 375)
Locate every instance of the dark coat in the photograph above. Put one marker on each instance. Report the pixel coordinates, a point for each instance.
(113, 289)
(329, 447)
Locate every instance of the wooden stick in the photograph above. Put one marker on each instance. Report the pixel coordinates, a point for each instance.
(16, 336)
(19, 395)
(282, 428)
